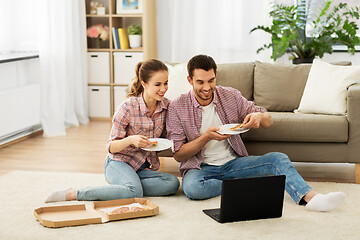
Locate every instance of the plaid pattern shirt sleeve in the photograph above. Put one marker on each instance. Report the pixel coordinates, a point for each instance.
(121, 120)
(185, 115)
(132, 118)
(174, 128)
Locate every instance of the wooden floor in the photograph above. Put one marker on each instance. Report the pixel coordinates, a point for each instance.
(83, 149)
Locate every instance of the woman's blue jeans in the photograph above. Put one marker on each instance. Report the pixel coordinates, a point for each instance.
(126, 183)
(206, 183)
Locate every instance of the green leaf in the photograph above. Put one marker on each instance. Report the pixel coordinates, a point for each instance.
(288, 29)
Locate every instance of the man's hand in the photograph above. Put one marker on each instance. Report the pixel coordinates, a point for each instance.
(212, 134)
(255, 120)
(139, 141)
(189, 149)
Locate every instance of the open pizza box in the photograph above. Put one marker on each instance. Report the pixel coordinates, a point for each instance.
(95, 212)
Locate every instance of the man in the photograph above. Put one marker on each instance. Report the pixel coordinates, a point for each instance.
(207, 157)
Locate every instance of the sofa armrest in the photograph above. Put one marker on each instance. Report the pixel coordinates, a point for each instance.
(353, 111)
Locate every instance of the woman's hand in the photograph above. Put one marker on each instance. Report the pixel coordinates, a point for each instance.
(139, 141)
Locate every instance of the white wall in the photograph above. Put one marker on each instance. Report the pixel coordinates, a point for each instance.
(19, 99)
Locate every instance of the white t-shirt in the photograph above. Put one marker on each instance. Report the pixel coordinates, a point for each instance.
(216, 152)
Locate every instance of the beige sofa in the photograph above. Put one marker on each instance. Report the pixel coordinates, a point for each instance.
(303, 137)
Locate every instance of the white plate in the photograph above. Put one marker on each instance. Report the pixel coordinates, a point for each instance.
(225, 129)
(162, 144)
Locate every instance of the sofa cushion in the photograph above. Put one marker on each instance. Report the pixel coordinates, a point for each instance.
(279, 87)
(237, 75)
(178, 83)
(326, 88)
(299, 127)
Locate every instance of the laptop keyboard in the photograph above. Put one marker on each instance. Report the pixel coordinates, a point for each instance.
(216, 215)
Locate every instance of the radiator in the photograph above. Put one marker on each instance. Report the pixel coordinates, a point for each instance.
(19, 112)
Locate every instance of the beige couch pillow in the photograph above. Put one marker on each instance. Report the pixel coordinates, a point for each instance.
(237, 75)
(279, 87)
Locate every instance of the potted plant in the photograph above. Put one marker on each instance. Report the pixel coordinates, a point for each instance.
(135, 33)
(330, 26)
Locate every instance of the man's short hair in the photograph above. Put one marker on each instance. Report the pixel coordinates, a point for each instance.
(201, 62)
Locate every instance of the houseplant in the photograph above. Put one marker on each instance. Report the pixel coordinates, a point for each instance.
(330, 26)
(135, 33)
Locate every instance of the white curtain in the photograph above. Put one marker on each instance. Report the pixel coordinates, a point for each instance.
(216, 28)
(62, 50)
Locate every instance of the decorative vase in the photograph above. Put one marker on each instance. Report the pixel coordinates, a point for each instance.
(302, 60)
(97, 42)
(135, 41)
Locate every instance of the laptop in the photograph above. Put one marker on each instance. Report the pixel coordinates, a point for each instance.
(250, 199)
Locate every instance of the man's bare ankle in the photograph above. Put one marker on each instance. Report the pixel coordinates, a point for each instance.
(309, 196)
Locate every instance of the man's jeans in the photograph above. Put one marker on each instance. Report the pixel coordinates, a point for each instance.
(206, 183)
(126, 183)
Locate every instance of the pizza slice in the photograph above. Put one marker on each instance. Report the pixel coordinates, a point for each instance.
(120, 210)
(237, 126)
(153, 144)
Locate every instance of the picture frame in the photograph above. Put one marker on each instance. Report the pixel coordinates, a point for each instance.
(128, 6)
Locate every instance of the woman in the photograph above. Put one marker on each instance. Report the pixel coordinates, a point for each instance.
(130, 170)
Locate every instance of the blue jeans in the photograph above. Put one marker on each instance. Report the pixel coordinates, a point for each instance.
(206, 183)
(126, 183)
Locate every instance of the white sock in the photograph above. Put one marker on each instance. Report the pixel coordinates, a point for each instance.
(56, 196)
(325, 202)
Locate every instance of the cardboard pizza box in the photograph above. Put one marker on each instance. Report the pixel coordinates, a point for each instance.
(95, 212)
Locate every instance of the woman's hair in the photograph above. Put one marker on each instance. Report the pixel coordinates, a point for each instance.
(144, 71)
(201, 62)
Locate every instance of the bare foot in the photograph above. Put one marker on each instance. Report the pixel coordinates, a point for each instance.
(70, 194)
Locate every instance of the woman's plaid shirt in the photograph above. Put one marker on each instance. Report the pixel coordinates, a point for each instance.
(132, 118)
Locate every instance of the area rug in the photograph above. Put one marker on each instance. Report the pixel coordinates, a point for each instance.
(179, 218)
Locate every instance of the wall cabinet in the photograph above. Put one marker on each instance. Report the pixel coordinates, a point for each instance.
(110, 70)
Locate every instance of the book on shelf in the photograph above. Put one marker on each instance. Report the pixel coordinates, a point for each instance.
(124, 41)
(116, 38)
(113, 36)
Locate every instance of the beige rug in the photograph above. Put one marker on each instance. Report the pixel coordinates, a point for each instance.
(179, 218)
